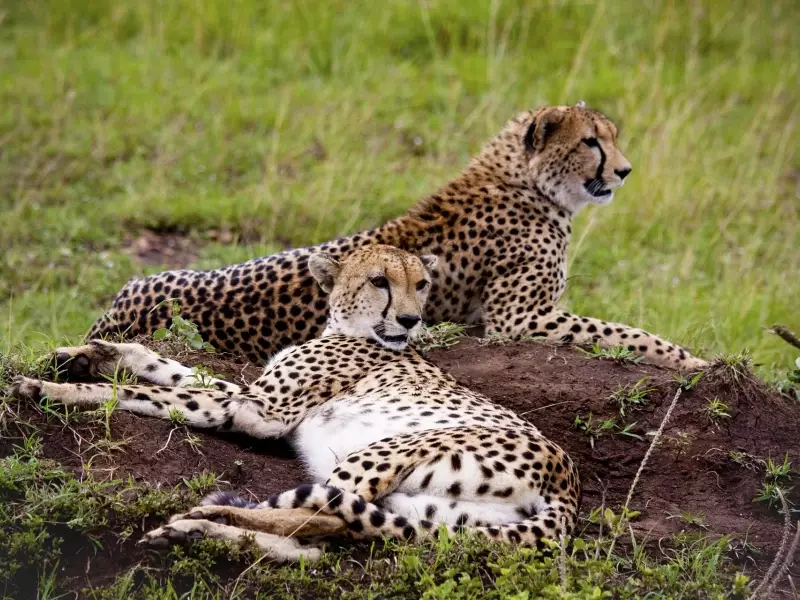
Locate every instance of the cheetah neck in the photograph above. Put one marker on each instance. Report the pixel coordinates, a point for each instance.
(472, 189)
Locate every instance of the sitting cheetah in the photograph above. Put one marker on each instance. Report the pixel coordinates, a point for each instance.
(401, 446)
(501, 230)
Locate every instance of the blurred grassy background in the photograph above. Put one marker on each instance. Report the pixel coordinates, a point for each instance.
(250, 125)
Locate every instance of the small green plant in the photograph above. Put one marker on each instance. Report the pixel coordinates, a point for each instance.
(204, 377)
(498, 339)
(778, 471)
(681, 441)
(62, 413)
(738, 363)
(110, 405)
(177, 417)
(596, 429)
(715, 411)
(194, 442)
(441, 335)
(771, 492)
(617, 354)
(626, 431)
(631, 397)
(690, 381)
(743, 459)
(611, 520)
(586, 425)
(202, 483)
(773, 489)
(182, 330)
(790, 386)
(691, 519)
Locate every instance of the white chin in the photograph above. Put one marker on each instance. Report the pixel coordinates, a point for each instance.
(395, 345)
(391, 344)
(606, 199)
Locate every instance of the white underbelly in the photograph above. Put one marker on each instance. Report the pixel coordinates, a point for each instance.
(336, 429)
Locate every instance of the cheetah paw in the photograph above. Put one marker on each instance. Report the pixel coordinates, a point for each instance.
(693, 365)
(26, 388)
(83, 362)
(177, 532)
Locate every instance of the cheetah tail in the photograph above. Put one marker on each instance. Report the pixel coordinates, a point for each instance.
(227, 499)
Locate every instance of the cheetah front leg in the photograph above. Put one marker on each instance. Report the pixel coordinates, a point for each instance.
(251, 410)
(99, 358)
(546, 320)
(200, 408)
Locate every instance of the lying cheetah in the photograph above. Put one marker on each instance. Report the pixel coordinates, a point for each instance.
(400, 445)
(501, 230)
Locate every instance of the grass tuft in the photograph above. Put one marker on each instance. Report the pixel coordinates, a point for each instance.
(441, 335)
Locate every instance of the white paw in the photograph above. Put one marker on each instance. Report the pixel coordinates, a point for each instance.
(693, 365)
(26, 388)
(177, 532)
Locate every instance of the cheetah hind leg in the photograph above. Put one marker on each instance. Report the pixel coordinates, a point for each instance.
(287, 522)
(276, 547)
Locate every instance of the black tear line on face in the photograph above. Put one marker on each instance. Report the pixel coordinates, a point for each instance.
(602, 165)
(592, 185)
(389, 302)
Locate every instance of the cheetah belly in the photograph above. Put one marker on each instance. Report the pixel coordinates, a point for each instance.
(337, 428)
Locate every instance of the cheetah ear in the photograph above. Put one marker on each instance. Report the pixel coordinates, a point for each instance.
(581, 104)
(429, 260)
(545, 123)
(324, 269)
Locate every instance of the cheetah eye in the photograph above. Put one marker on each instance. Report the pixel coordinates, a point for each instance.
(591, 142)
(380, 282)
(421, 285)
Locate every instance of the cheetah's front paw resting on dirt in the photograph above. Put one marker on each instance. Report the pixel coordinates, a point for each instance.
(188, 530)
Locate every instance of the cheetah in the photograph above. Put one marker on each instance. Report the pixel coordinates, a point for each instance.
(500, 229)
(395, 446)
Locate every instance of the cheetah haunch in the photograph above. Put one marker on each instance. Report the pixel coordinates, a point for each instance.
(500, 230)
(400, 446)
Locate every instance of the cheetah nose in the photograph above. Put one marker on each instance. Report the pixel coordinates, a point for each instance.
(408, 321)
(622, 173)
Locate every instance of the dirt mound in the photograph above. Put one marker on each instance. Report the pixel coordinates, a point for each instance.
(706, 471)
(705, 474)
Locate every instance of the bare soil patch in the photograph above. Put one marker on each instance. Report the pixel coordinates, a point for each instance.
(161, 248)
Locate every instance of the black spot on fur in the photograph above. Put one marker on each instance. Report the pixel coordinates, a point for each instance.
(334, 497)
(301, 494)
(359, 506)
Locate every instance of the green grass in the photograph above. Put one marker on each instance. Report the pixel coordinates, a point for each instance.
(630, 398)
(617, 354)
(294, 122)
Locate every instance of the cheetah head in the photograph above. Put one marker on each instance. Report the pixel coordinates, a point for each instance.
(376, 292)
(568, 153)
